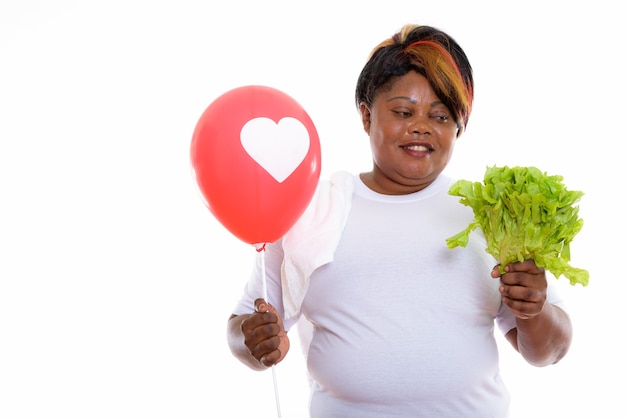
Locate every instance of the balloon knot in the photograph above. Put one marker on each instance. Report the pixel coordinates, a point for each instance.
(260, 247)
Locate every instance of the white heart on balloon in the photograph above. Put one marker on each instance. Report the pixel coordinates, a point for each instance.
(277, 147)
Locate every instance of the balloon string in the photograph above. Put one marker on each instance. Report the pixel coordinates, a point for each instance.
(266, 299)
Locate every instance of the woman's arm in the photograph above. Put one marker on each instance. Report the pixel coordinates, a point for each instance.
(543, 334)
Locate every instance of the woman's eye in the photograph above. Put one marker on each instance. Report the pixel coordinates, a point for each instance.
(441, 118)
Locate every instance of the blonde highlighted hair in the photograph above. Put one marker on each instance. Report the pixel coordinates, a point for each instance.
(430, 52)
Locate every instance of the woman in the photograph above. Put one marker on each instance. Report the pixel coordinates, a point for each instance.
(402, 325)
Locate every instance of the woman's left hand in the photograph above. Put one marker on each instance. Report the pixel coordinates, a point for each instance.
(523, 288)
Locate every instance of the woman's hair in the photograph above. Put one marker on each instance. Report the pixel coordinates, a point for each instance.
(428, 51)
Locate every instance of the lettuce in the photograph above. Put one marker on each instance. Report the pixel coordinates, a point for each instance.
(524, 214)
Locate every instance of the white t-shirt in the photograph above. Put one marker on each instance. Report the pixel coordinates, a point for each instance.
(403, 326)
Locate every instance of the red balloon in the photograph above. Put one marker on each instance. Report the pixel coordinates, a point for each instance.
(255, 153)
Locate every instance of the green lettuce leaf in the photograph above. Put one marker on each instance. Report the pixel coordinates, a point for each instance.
(524, 214)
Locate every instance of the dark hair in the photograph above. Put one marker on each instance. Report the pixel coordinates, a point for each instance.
(428, 51)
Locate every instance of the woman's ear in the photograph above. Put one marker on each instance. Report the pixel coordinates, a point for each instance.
(366, 116)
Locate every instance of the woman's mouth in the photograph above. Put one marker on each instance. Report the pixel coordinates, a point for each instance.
(417, 148)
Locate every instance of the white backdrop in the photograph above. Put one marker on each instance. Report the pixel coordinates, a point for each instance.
(116, 281)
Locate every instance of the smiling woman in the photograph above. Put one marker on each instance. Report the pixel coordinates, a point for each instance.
(115, 279)
(421, 126)
(402, 325)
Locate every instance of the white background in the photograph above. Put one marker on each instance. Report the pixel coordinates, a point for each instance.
(115, 279)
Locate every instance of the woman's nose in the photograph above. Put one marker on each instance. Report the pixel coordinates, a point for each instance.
(420, 125)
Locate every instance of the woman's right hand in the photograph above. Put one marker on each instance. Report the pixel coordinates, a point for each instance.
(264, 334)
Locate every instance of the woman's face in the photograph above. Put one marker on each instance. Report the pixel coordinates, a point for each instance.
(412, 136)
